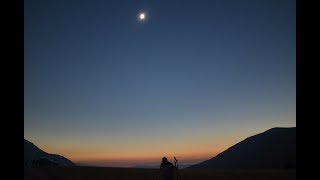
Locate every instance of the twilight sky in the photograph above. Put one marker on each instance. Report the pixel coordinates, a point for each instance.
(102, 88)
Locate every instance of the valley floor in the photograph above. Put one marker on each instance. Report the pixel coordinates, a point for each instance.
(106, 173)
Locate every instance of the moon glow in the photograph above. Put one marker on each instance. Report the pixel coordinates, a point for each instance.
(142, 16)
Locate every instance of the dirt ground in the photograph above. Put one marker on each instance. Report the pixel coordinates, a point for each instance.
(105, 173)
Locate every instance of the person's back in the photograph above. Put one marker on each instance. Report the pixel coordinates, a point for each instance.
(166, 169)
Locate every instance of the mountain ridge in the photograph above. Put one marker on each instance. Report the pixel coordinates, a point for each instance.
(274, 148)
(32, 152)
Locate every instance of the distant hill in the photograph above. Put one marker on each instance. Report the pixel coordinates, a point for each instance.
(272, 149)
(32, 152)
(180, 166)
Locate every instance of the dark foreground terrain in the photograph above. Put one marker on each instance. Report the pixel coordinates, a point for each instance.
(104, 173)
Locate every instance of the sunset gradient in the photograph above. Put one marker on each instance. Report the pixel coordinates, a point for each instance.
(103, 89)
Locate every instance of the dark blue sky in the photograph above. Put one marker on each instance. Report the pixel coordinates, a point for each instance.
(195, 68)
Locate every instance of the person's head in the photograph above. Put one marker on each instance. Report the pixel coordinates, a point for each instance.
(164, 159)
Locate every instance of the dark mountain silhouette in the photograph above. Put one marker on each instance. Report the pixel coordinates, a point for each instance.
(272, 149)
(32, 152)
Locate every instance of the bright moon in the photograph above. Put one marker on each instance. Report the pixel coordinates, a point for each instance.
(142, 16)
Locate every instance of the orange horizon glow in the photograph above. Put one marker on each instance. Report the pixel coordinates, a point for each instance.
(127, 157)
(127, 153)
(127, 161)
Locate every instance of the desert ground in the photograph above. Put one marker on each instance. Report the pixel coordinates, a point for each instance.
(108, 173)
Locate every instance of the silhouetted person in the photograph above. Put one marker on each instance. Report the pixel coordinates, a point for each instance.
(166, 169)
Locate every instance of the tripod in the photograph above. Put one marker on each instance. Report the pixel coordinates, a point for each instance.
(176, 167)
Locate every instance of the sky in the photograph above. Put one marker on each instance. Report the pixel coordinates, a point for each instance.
(103, 88)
